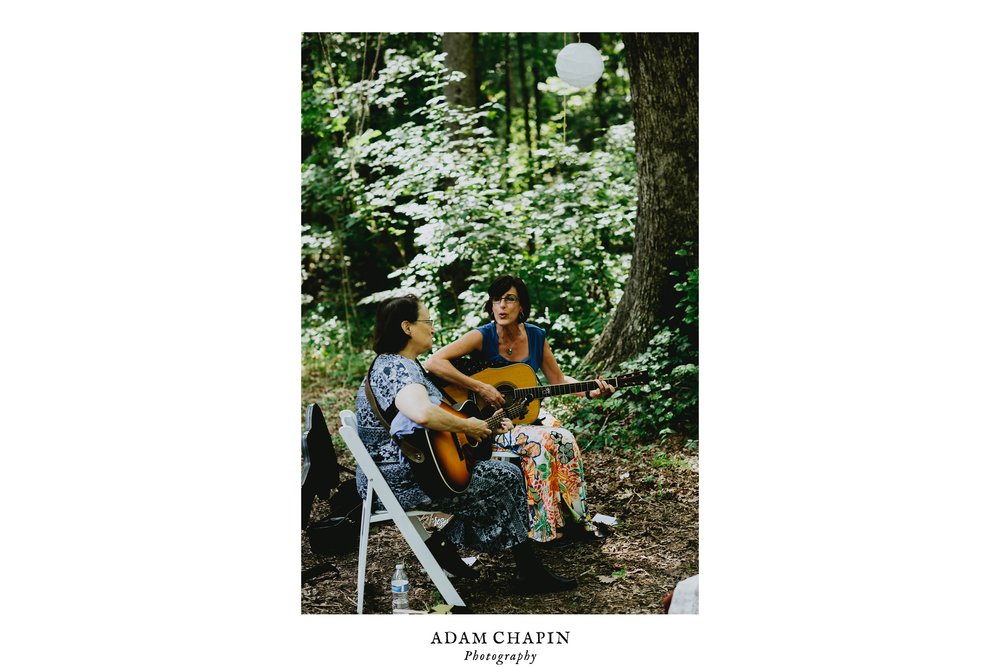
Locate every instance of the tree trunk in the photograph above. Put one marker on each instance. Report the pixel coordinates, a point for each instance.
(508, 86)
(536, 77)
(663, 69)
(461, 56)
(525, 103)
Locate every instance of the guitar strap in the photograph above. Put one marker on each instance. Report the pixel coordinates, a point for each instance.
(409, 451)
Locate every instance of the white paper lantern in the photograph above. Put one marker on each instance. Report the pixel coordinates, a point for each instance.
(579, 64)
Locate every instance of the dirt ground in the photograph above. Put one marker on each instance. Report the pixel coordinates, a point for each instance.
(652, 491)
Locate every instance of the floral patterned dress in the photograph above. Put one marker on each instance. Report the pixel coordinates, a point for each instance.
(550, 456)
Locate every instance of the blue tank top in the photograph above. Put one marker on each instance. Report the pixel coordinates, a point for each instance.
(536, 344)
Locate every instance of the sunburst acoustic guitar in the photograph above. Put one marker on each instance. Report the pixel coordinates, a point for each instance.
(444, 460)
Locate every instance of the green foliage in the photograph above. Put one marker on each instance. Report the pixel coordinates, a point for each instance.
(434, 201)
(328, 354)
(569, 237)
(404, 192)
(664, 460)
(668, 404)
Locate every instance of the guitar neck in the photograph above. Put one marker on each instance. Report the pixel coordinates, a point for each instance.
(531, 393)
(510, 412)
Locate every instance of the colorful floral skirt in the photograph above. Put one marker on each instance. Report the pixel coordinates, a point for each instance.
(553, 468)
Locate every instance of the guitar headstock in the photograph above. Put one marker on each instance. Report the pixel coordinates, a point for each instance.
(632, 379)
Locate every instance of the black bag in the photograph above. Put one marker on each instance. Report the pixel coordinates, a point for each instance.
(339, 531)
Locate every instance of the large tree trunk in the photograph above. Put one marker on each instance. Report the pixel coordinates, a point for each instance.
(664, 86)
(461, 56)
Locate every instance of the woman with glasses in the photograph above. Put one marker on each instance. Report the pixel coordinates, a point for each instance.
(550, 456)
(491, 514)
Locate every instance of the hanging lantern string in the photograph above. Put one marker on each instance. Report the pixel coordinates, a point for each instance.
(578, 65)
(579, 38)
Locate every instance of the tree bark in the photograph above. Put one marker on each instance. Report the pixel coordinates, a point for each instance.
(522, 71)
(663, 69)
(461, 56)
(508, 86)
(536, 77)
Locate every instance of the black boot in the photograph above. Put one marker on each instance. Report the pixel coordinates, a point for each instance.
(446, 555)
(577, 532)
(533, 577)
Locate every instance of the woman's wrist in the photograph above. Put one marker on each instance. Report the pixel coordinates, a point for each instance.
(474, 425)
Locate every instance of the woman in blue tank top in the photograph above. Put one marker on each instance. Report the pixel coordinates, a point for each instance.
(550, 456)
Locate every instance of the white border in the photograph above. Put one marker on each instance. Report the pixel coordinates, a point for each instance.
(150, 246)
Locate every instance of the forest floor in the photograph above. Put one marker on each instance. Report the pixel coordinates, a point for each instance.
(652, 490)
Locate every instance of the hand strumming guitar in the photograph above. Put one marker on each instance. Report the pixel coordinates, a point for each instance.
(490, 394)
(479, 430)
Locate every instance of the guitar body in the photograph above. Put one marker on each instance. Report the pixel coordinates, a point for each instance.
(442, 461)
(455, 453)
(506, 379)
(445, 464)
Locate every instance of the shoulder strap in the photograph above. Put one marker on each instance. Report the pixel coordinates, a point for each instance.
(409, 451)
(536, 345)
(491, 346)
(387, 416)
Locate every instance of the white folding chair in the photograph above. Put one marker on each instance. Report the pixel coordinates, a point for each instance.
(406, 521)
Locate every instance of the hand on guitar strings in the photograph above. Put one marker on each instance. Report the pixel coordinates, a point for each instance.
(477, 429)
(505, 424)
(490, 395)
(603, 389)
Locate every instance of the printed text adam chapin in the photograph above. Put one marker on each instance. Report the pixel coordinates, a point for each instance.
(501, 637)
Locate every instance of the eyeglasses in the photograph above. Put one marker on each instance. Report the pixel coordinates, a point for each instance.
(509, 298)
(430, 322)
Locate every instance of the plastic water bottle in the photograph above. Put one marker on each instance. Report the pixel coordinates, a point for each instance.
(400, 591)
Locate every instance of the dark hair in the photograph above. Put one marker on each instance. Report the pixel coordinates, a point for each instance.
(501, 285)
(389, 336)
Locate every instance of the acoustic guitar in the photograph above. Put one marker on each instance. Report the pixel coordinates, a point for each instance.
(444, 460)
(518, 382)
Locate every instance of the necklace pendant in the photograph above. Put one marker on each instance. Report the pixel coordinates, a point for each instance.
(510, 351)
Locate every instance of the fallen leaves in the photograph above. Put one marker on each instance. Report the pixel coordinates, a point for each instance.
(654, 546)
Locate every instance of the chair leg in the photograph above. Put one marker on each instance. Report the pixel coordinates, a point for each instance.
(413, 537)
(366, 514)
(420, 528)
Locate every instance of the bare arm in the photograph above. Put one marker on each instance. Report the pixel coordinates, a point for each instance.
(413, 401)
(440, 364)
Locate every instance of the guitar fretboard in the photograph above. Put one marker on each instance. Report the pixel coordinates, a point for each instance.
(510, 412)
(530, 393)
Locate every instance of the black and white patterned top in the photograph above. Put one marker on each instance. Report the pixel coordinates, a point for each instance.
(491, 515)
(390, 373)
